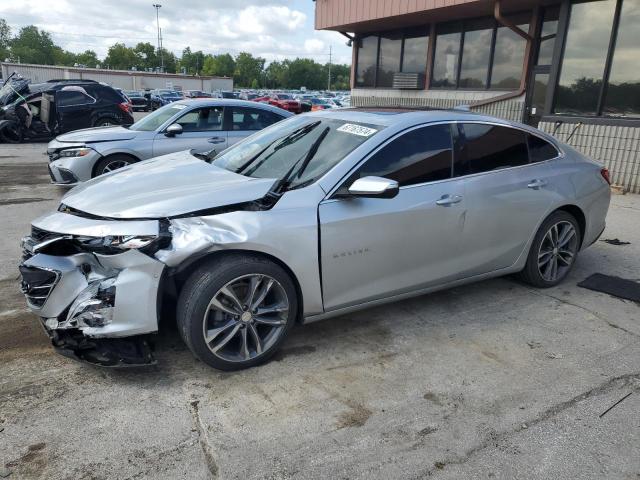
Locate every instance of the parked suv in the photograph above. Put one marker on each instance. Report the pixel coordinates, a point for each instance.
(319, 215)
(199, 123)
(41, 111)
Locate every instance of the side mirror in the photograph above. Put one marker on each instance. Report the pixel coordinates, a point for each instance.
(173, 130)
(374, 187)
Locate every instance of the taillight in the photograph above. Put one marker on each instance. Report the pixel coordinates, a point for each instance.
(125, 107)
(605, 174)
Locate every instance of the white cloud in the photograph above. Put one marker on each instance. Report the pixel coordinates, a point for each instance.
(273, 29)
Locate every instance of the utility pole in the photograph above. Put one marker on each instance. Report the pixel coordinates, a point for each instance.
(157, 7)
(329, 79)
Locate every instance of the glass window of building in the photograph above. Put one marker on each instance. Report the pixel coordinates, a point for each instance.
(446, 58)
(367, 59)
(389, 61)
(476, 54)
(414, 56)
(623, 91)
(508, 58)
(582, 69)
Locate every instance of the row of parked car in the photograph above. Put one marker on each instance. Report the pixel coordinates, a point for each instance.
(36, 112)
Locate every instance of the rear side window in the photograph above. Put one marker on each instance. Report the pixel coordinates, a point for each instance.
(491, 147)
(419, 156)
(73, 97)
(252, 118)
(540, 150)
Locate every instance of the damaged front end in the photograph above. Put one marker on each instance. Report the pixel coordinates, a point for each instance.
(95, 286)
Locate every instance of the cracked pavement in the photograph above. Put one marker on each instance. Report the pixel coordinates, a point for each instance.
(490, 380)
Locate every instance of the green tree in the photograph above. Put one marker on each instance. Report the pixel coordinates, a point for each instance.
(247, 69)
(146, 55)
(170, 61)
(277, 74)
(192, 62)
(121, 57)
(88, 58)
(5, 40)
(220, 65)
(32, 45)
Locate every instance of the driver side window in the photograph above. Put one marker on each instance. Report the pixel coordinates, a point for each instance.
(418, 156)
(205, 119)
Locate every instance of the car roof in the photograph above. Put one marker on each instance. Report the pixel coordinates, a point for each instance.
(230, 102)
(398, 116)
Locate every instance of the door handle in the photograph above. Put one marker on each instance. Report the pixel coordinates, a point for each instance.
(216, 140)
(447, 200)
(536, 184)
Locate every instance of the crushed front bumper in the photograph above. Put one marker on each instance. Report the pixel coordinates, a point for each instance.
(87, 300)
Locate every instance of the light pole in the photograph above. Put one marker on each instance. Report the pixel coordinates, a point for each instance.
(157, 7)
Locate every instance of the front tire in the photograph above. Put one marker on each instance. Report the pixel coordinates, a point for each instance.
(235, 312)
(111, 163)
(553, 251)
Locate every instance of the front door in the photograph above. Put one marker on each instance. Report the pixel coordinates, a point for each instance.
(201, 129)
(374, 248)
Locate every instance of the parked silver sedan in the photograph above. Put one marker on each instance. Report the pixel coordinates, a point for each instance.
(319, 215)
(201, 124)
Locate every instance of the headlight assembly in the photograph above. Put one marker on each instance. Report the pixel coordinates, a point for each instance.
(75, 152)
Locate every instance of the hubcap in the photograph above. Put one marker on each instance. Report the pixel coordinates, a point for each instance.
(245, 318)
(116, 164)
(557, 251)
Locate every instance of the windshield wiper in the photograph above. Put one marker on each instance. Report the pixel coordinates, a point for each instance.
(288, 140)
(292, 173)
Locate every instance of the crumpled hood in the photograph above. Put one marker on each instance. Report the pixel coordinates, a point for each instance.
(97, 134)
(167, 186)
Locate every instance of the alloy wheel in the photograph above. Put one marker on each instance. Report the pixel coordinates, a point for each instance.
(114, 165)
(245, 318)
(557, 251)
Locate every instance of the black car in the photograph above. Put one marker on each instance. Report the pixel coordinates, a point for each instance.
(138, 101)
(42, 111)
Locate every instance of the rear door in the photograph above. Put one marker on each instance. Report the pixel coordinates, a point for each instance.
(201, 129)
(507, 195)
(244, 121)
(373, 247)
(75, 107)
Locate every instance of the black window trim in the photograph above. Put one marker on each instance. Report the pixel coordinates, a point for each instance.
(341, 183)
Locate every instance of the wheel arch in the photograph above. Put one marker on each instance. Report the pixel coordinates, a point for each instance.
(577, 213)
(112, 154)
(181, 272)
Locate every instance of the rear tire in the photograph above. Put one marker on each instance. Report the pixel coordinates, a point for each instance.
(553, 251)
(105, 122)
(111, 163)
(234, 312)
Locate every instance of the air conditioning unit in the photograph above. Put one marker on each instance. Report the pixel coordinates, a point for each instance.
(408, 81)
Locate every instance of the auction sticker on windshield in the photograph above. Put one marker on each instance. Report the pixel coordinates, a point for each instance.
(356, 130)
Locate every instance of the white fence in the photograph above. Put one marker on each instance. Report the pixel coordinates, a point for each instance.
(124, 79)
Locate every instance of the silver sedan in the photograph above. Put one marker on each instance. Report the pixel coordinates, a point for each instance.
(199, 124)
(319, 215)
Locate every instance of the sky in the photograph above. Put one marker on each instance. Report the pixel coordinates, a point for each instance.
(272, 29)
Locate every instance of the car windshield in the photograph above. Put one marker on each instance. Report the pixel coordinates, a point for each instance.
(300, 149)
(156, 119)
(284, 96)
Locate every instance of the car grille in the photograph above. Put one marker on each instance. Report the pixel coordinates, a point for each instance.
(37, 284)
